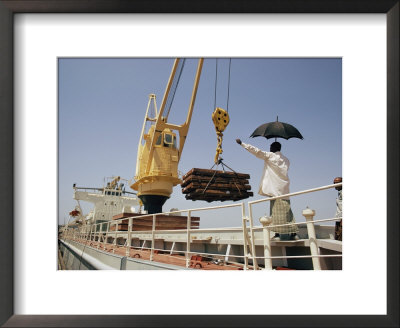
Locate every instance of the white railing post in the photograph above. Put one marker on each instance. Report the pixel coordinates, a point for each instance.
(309, 215)
(267, 242)
(152, 237)
(143, 244)
(172, 248)
(129, 241)
(115, 236)
(245, 237)
(253, 245)
(99, 226)
(188, 239)
(106, 236)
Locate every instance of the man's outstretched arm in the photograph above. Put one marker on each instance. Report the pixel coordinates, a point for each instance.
(254, 150)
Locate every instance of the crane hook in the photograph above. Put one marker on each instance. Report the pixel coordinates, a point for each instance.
(220, 119)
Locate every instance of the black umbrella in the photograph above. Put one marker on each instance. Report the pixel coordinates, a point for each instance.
(277, 130)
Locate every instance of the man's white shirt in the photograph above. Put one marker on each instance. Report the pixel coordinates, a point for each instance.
(275, 179)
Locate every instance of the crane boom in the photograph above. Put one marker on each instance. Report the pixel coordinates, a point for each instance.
(158, 156)
(161, 124)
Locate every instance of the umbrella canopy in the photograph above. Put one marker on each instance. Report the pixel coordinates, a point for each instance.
(277, 130)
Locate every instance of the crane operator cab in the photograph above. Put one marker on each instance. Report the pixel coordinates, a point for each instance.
(165, 155)
(155, 187)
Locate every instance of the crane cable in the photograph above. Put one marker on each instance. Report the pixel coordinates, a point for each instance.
(174, 86)
(215, 85)
(220, 116)
(229, 83)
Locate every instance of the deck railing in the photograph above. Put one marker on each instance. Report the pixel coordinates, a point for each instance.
(101, 232)
(309, 215)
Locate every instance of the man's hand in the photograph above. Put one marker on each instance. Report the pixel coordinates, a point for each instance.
(239, 141)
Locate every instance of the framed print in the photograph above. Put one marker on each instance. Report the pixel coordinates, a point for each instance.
(44, 38)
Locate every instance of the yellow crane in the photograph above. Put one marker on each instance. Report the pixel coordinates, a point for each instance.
(160, 148)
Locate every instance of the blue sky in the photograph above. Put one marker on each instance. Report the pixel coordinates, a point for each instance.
(102, 104)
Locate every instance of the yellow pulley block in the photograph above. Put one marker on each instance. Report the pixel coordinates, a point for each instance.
(220, 118)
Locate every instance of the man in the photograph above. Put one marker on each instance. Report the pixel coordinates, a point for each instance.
(275, 182)
(338, 224)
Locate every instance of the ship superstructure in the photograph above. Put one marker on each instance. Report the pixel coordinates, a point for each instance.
(108, 201)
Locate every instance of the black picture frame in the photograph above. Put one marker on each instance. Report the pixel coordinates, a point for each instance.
(10, 7)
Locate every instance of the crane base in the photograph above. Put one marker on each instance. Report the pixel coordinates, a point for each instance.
(153, 203)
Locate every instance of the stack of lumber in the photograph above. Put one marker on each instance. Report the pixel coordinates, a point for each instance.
(163, 222)
(212, 185)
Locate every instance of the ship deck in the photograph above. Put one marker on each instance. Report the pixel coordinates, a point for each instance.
(210, 249)
(246, 247)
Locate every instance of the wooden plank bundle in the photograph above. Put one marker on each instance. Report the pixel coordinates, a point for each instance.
(163, 222)
(213, 185)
